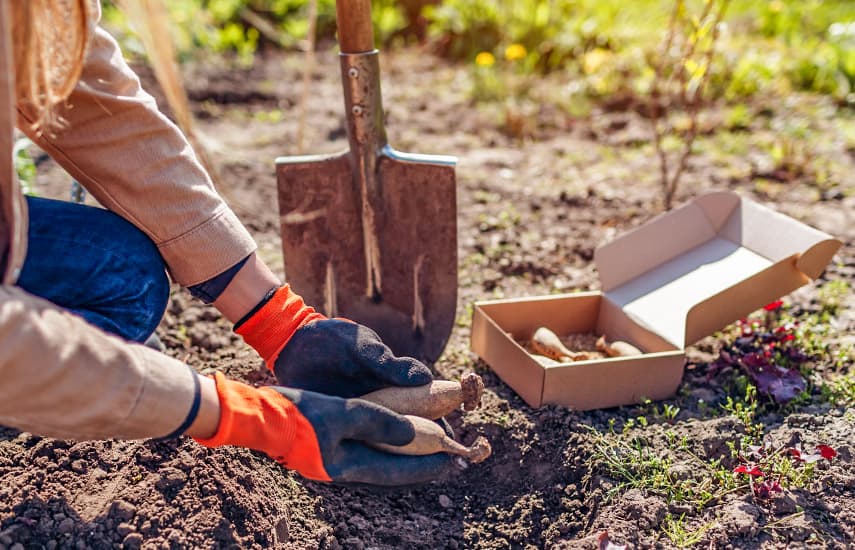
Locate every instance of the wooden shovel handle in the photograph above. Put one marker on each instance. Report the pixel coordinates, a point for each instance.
(355, 32)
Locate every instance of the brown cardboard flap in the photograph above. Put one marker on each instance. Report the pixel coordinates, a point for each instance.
(662, 298)
(651, 245)
(774, 235)
(732, 257)
(813, 261)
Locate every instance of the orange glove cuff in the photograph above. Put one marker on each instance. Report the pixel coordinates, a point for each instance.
(265, 420)
(271, 327)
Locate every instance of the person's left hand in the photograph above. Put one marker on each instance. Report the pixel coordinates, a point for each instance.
(306, 350)
(322, 437)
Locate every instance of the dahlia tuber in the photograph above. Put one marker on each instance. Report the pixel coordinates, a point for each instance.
(546, 342)
(431, 438)
(617, 348)
(433, 400)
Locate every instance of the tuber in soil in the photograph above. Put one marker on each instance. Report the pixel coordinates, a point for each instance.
(431, 438)
(433, 400)
(546, 342)
(617, 348)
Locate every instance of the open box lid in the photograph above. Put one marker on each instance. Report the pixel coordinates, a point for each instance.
(695, 269)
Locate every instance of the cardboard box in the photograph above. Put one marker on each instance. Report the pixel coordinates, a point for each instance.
(667, 284)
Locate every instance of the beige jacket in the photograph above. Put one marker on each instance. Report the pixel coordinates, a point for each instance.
(59, 376)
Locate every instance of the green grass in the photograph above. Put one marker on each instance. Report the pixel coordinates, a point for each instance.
(603, 45)
(677, 531)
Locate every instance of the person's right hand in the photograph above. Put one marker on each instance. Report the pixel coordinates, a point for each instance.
(322, 437)
(306, 350)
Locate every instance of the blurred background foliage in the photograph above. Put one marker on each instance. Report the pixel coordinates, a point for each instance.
(604, 47)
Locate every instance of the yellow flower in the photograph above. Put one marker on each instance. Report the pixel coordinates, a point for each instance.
(515, 51)
(776, 6)
(595, 59)
(485, 59)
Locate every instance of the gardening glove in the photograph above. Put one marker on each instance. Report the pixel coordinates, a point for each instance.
(322, 437)
(307, 350)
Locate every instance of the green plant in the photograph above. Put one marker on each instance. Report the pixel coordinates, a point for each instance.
(667, 413)
(770, 471)
(779, 349)
(745, 410)
(675, 529)
(840, 391)
(25, 167)
(633, 463)
(240, 26)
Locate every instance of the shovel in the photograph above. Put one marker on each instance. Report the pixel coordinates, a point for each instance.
(370, 234)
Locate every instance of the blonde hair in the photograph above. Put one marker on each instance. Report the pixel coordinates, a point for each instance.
(49, 40)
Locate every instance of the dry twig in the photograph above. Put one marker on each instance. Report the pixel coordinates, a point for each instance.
(683, 78)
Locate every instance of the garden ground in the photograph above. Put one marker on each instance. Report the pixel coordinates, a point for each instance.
(538, 190)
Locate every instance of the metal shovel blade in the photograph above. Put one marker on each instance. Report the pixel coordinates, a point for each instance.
(409, 296)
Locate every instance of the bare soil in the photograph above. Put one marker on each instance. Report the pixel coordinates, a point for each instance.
(538, 190)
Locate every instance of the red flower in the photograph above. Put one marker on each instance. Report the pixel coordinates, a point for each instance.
(827, 452)
(774, 305)
(748, 469)
(809, 458)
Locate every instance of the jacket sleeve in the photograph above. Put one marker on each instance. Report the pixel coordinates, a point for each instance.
(62, 377)
(137, 163)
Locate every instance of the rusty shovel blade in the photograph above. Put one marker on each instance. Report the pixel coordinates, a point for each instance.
(409, 296)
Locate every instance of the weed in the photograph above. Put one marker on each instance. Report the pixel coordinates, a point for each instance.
(770, 471)
(783, 350)
(668, 413)
(633, 464)
(840, 391)
(745, 410)
(675, 529)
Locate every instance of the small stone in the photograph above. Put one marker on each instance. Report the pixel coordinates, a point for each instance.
(445, 502)
(784, 505)
(741, 517)
(66, 526)
(17, 546)
(132, 541)
(352, 542)
(681, 471)
(282, 531)
(124, 529)
(123, 510)
(81, 545)
(51, 545)
(5, 540)
(171, 478)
